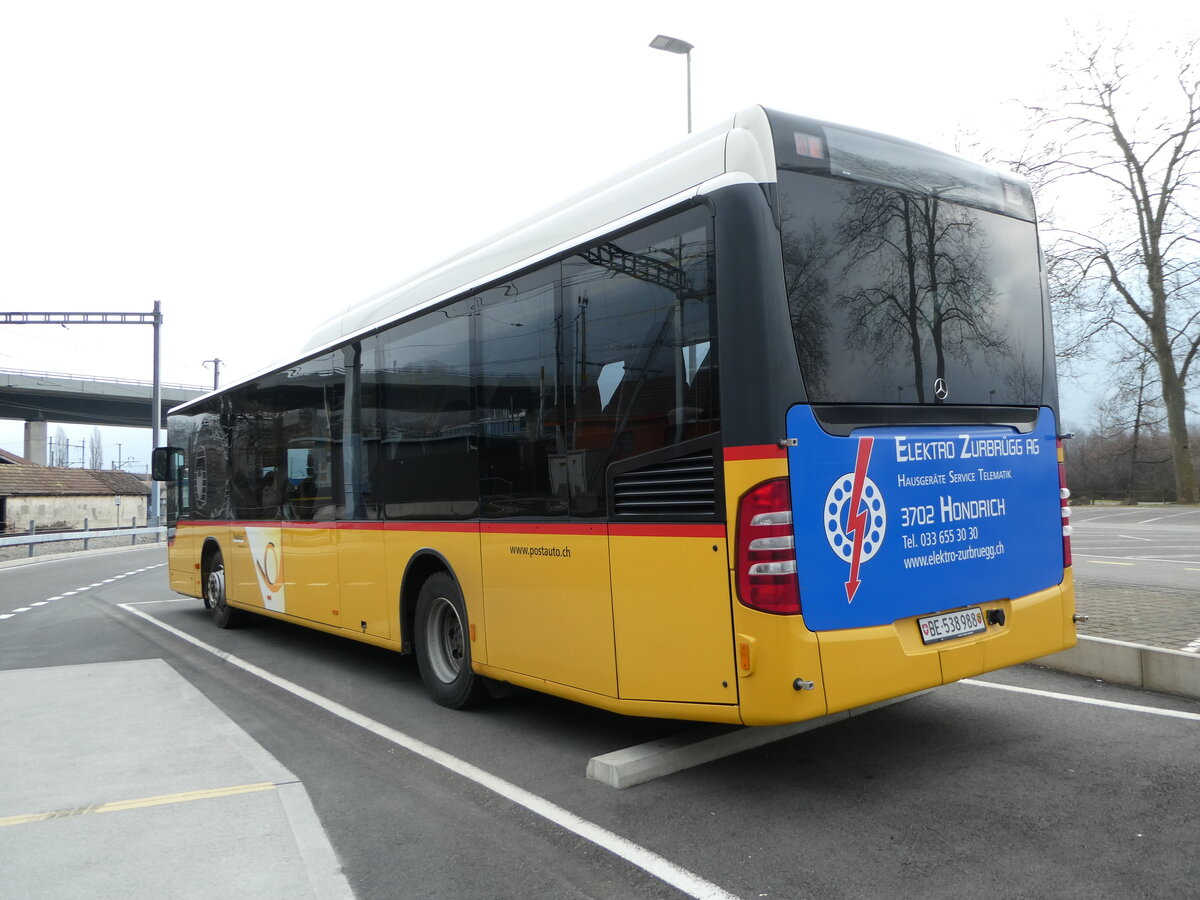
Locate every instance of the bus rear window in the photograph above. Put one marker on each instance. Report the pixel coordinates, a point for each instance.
(899, 297)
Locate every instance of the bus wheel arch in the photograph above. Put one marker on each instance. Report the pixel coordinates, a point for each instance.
(434, 618)
(212, 571)
(211, 551)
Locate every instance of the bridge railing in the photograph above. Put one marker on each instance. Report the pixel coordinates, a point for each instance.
(104, 379)
(86, 535)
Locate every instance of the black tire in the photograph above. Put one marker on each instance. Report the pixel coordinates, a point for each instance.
(444, 645)
(223, 615)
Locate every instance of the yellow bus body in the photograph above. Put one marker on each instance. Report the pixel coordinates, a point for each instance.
(636, 619)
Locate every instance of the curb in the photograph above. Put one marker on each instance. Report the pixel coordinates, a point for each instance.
(666, 756)
(67, 554)
(1121, 662)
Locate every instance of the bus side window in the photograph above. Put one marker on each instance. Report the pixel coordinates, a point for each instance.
(522, 435)
(638, 310)
(419, 458)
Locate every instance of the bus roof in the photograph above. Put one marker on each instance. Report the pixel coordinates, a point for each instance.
(740, 149)
(737, 150)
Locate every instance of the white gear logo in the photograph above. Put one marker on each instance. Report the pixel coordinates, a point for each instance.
(839, 521)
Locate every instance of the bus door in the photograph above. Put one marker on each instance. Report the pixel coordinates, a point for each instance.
(310, 572)
(549, 608)
(671, 613)
(670, 580)
(545, 566)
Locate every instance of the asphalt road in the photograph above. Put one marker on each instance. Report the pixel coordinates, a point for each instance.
(1146, 546)
(1027, 783)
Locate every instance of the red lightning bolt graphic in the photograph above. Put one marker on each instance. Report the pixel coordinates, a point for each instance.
(857, 518)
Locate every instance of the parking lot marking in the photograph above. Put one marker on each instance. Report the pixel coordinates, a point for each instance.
(1088, 701)
(142, 803)
(1109, 562)
(656, 759)
(634, 854)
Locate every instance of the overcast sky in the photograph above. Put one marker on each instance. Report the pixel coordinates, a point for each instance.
(255, 165)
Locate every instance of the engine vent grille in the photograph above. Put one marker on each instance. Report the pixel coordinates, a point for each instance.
(678, 488)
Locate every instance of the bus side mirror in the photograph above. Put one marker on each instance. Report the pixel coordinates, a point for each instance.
(165, 463)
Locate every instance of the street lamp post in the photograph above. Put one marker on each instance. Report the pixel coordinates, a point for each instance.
(675, 45)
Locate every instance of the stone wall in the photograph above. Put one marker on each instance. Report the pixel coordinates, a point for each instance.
(100, 511)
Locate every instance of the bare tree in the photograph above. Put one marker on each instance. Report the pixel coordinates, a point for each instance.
(96, 451)
(60, 449)
(806, 254)
(1137, 272)
(1131, 417)
(933, 293)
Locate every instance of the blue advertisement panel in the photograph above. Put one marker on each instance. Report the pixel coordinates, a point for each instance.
(899, 522)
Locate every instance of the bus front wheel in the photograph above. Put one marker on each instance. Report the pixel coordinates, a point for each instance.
(223, 615)
(444, 644)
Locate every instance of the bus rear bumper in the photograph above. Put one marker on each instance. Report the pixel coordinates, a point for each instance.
(862, 666)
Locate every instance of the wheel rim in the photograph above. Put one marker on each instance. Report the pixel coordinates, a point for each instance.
(444, 638)
(216, 588)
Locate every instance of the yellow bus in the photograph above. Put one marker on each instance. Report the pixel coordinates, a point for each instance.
(760, 430)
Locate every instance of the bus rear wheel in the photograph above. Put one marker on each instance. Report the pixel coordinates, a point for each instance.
(223, 615)
(444, 645)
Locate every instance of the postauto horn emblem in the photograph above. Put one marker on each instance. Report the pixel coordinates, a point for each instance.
(855, 517)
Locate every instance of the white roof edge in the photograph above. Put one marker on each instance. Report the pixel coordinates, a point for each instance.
(738, 150)
(739, 144)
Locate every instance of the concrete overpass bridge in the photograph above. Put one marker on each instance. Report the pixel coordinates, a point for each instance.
(41, 397)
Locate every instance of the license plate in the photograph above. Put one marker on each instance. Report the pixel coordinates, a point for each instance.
(948, 626)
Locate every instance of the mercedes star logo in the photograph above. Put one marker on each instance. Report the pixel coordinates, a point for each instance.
(940, 390)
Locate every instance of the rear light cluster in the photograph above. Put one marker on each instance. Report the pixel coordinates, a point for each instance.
(1064, 501)
(766, 549)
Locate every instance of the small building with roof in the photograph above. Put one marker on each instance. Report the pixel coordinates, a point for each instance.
(64, 498)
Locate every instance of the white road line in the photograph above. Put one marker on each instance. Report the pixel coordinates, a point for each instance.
(1130, 537)
(1089, 701)
(1091, 519)
(646, 860)
(1172, 516)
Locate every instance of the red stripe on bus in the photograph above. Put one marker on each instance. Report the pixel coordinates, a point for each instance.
(445, 527)
(228, 523)
(755, 451)
(549, 528)
(704, 530)
(650, 530)
(341, 526)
